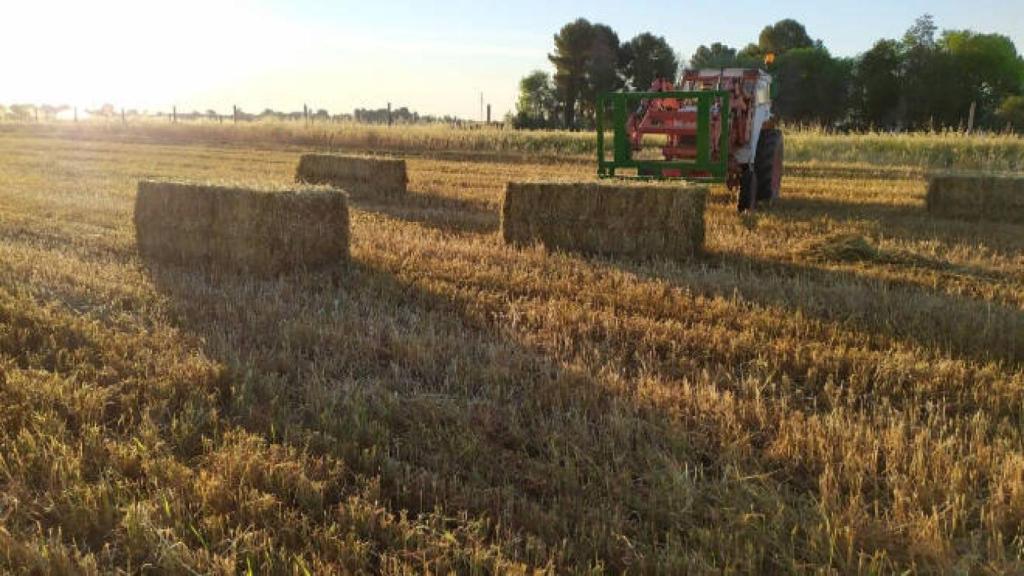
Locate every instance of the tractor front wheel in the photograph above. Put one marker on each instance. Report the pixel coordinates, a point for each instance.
(768, 165)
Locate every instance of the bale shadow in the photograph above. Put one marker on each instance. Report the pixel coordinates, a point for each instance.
(447, 410)
(812, 207)
(906, 222)
(977, 330)
(450, 215)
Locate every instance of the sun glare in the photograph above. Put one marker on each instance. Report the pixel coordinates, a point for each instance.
(144, 55)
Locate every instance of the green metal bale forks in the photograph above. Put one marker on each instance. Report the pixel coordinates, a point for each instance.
(716, 127)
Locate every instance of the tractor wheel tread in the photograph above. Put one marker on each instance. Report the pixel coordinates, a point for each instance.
(764, 162)
(748, 191)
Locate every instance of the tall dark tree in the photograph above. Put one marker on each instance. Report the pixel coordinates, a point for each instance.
(602, 67)
(571, 59)
(645, 58)
(931, 93)
(783, 36)
(815, 86)
(717, 55)
(877, 85)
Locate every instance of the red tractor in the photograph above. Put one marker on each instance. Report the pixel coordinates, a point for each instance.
(716, 126)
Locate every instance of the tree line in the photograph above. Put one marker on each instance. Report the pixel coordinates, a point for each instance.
(925, 80)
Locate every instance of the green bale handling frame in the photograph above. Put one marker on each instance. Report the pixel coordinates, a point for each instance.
(703, 168)
(717, 127)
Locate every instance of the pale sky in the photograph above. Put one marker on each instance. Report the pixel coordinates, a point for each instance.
(435, 58)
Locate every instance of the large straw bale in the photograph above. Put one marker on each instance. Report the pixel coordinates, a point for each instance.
(362, 175)
(263, 230)
(976, 196)
(641, 219)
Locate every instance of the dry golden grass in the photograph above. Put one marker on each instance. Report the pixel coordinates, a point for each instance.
(448, 403)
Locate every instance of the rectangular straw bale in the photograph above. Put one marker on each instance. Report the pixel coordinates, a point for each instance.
(362, 175)
(641, 219)
(976, 196)
(260, 230)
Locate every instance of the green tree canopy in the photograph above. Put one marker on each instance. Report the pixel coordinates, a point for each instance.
(571, 59)
(877, 85)
(717, 55)
(750, 56)
(923, 80)
(537, 104)
(586, 60)
(990, 70)
(933, 92)
(814, 85)
(921, 34)
(783, 36)
(645, 58)
(1011, 111)
(602, 66)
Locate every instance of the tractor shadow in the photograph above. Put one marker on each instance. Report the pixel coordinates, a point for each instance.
(442, 405)
(450, 215)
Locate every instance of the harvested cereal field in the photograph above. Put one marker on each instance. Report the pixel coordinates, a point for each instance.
(832, 385)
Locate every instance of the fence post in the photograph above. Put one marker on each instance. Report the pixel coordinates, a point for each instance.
(124, 120)
(234, 113)
(174, 114)
(390, 120)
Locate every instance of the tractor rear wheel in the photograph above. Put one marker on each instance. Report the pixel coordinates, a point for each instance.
(748, 190)
(768, 165)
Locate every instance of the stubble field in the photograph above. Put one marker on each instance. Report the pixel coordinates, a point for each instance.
(835, 385)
